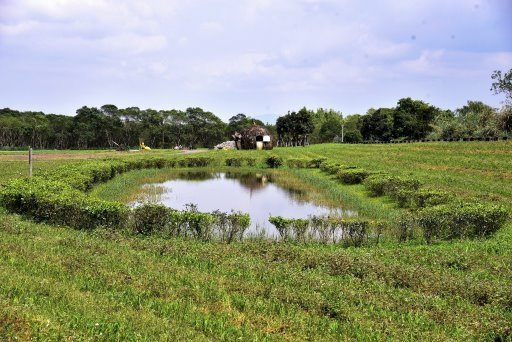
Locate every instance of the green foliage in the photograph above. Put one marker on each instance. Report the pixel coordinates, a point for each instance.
(111, 127)
(274, 161)
(333, 168)
(235, 161)
(195, 162)
(461, 220)
(502, 84)
(240, 161)
(239, 122)
(383, 184)
(378, 125)
(316, 162)
(294, 127)
(231, 226)
(352, 176)
(149, 218)
(282, 225)
(298, 162)
(324, 229)
(431, 197)
(301, 163)
(57, 203)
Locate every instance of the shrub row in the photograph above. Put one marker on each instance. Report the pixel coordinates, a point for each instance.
(352, 176)
(333, 168)
(59, 196)
(190, 223)
(382, 184)
(327, 229)
(58, 203)
(461, 220)
(274, 161)
(240, 161)
(421, 198)
(439, 217)
(305, 162)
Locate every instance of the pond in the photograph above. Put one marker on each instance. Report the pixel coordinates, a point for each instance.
(252, 193)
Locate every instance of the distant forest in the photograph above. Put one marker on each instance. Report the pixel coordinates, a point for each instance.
(110, 127)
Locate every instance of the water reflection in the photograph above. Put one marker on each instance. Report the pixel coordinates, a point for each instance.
(253, 193)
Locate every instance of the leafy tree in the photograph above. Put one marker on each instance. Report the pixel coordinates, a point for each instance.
(239, 122)
(293, 128)
(412, 119)
(330, 129)
(378, 125)
(322, 132)
(502, 84)
(352, 128)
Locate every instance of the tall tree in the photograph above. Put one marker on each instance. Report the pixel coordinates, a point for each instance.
(502, 84)
(378, 125)
(412, 119)
(294, 128)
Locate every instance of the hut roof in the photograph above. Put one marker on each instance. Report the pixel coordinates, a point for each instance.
(254, 130)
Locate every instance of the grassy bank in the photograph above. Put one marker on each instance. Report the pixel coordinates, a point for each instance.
(59, 283)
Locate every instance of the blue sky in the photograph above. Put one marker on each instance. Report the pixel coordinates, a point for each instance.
(258, 57)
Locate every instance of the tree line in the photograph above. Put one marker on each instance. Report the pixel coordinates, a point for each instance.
(409, 120)
(113, 127)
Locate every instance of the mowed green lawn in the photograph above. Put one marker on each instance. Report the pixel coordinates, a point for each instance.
(57, 283)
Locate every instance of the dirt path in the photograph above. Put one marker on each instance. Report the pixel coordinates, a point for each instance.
(78, 154)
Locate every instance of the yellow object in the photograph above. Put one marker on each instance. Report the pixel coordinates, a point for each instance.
(142, 146)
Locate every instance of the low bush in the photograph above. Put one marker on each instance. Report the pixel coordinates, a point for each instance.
(430, 197)
(234, 161)
(58, 203)
(330, 167)
(240, 161)
(316, 162)
(313, 163)
(298, 162)
(274, 161)
(283, 226)
(231, 226)
(352, 176)
(461, 220)
(383, 184)
(195, 162)
(149, 218)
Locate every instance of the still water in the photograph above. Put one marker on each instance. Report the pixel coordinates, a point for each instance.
(250, 193)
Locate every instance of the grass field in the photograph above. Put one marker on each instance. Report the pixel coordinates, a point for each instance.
(57, 283)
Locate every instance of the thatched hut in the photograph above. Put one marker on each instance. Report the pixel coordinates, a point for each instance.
(253, 138)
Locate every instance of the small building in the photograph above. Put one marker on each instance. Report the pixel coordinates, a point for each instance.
(253, 138)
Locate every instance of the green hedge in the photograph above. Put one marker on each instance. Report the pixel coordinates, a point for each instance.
(240, 161)
(189, 223)
(305, 162)
(382, 184)
(274, 161)
(352, 176)
(59, 196)
(58, 203)
(461, 220)
(327, 229)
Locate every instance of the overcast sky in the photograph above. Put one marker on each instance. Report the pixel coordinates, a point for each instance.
(258, 57)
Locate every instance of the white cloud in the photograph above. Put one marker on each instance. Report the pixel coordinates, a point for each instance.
(270, 51)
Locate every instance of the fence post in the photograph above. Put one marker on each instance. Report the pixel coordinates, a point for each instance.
(30, 161)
